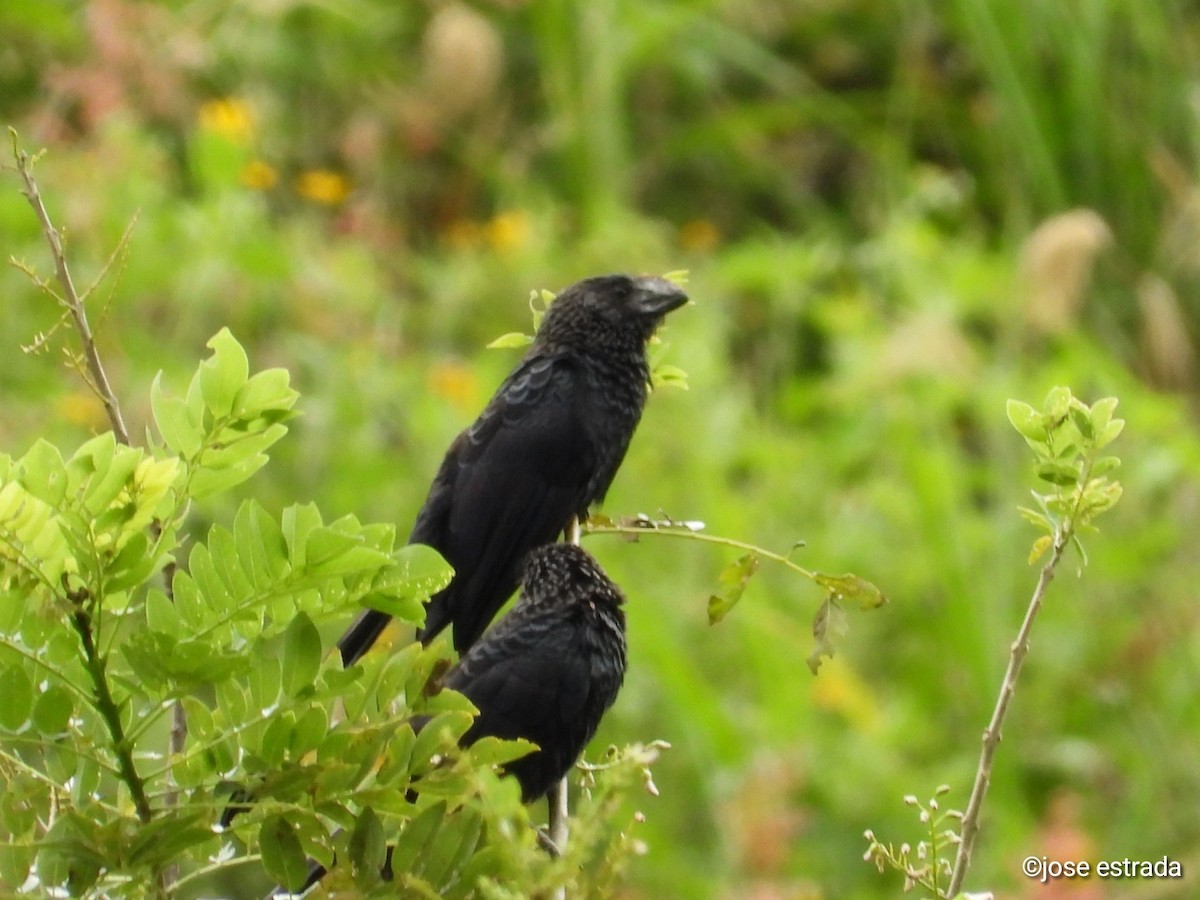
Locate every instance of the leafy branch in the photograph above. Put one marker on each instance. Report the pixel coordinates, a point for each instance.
(829, 623)
(1067, 438)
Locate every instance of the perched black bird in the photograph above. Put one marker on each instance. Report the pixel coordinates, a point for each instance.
(550, 669)
(547, 672)
(545, 448)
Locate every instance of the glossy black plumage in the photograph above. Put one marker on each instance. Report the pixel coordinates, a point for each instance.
(550, 669)
(544, 449)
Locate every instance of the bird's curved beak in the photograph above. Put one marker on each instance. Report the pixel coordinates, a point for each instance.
(657, 296)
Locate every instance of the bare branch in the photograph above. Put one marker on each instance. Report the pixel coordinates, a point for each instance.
(98, 378)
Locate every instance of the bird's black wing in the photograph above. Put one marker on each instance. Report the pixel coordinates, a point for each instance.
(530, 682)
(509, 483)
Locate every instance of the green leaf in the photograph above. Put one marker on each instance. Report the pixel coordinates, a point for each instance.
(16, 697)
(224, 373)
(732, 580)
(208, 482)
(829, 627)
(277, 738)
(1040, 546)
(852, 589)
(165, 664)
(418, 834)
(44, 474)
(1101, 413)
(309, 732)
(15, 862)
(258, 555)
(52, 710)
(1105, 464)
(667, 375)
(494, 751)
(179, 430)
(1082, 420)
(368, 849)
(332, 552)
(458, 837)
(511, 340)
(440, 733)
(419, 572)
(282, 855)
(1109, 433)
(301, 654)
(1035, 518)
(1057, 402)
(298, 522)
(67, 855)
(1026, 420)
(266, 391)
(162, 615)
(1062, 474)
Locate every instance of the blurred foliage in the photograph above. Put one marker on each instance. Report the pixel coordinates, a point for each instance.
(896, 216)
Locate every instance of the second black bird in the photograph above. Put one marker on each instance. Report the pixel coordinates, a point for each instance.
(547, 672)
(544, 449)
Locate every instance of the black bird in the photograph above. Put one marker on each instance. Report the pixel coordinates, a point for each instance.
(547, 672)
(544, 449)
(550, 669)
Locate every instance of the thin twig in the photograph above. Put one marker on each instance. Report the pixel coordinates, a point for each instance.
(70, 296)
(638, 527)
(992, 734)
(558, 825)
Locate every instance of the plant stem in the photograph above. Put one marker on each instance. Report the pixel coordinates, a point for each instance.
(74, 303)
(671, 529)
(558, 820)
(107, 707)
(992, 734)
(70, 296)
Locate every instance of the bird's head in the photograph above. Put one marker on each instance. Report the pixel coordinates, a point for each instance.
(566, 573)
(609, 308)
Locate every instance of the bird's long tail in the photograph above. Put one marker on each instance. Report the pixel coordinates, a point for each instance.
(362, 635)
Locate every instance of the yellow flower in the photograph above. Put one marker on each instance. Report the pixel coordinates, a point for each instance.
(698, 235)
(229, 117)
(259, 175)
(323, 186)
(508, 230)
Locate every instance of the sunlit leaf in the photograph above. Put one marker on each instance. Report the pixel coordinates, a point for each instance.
(282, 855)
(52, 710)
(1040, 546)
(224, 373)
(368, 849)
(851, 589)
(1026, 420)
(301, 654)
(416, 836)
(1062, 474)
(511, 340)
(179, 430)
(829, 627)
(16, 697)
(731, 585)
